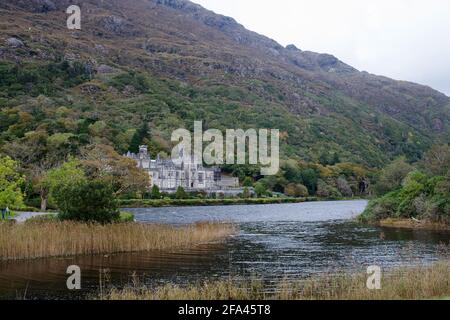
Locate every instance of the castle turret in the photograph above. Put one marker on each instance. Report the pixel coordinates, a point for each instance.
(143, 152)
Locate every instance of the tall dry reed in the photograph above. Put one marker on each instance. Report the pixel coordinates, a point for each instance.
(49, 239)
(405, 283)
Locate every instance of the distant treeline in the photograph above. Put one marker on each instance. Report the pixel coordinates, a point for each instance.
(138, 203)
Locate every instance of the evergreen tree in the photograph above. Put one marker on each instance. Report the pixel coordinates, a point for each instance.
(138, 137)
(155, 192)
(336, 159)
(260, 189)
(180, 194)
(248, 182)
(323, 159)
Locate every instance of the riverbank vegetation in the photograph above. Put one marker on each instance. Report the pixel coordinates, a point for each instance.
(50, 238)
(139, 203)
(425, 282)
(412, 224)
(418, 192)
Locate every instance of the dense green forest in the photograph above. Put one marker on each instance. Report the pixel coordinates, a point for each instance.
(420, 191)
(41, 131)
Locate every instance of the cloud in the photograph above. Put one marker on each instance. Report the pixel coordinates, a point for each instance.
(401, 39)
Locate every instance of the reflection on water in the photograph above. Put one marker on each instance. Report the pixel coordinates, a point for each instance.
(294, 240)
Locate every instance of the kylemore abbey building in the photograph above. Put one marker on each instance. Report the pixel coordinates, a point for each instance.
(190, 174)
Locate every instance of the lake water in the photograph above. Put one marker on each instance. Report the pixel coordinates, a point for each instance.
(274, 241)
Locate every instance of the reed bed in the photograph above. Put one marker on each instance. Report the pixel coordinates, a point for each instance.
(426, 282)
(59, 238)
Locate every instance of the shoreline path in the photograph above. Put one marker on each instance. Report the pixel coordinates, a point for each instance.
(22, 216)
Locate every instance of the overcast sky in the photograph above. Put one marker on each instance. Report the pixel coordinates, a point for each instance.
(401, 39)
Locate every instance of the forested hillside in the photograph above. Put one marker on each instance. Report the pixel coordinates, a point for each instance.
(139, 69)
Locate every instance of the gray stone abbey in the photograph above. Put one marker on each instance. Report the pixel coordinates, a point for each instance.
(190, 174)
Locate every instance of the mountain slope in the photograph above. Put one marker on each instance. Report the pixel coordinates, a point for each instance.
(170, 62)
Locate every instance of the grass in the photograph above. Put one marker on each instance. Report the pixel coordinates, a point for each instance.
(124, 217)
(412, 224)
(426, 282)
(62, 238)
(43, 218)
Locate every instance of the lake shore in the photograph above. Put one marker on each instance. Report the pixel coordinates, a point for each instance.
(424, 282)
(151, 203)
(411, 224)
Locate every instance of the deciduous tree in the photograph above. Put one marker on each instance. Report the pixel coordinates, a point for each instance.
(11, 194)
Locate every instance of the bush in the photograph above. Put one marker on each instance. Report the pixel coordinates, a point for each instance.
(260, 189)
(246, 193)
(126, 216)
(155, 194)
(88, 201)
(420, 197)
(392, 176)
(296, 190)
(248, 182)
(343, 187)
(180, 193)
(138, 81)
(327, 191)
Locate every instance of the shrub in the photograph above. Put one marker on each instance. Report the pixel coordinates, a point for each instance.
(260, 189)
(246, 193)
(343, 187)
(156, 194)
(420, 196)
(138, 81)
(126, 216)
(327, 191)
(310, 178)
(381, 208)
(437, 160)
(248, 182)
(392, 176)
(180, 193)
(296, 190)
(88, 201)
(413, 188)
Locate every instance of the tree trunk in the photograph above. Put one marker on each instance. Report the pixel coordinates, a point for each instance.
(43, 200)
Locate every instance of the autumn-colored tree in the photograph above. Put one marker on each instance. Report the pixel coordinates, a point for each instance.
(296, 190)
(343, 187)
(437, 160)
(37, 152)
(102, 162)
